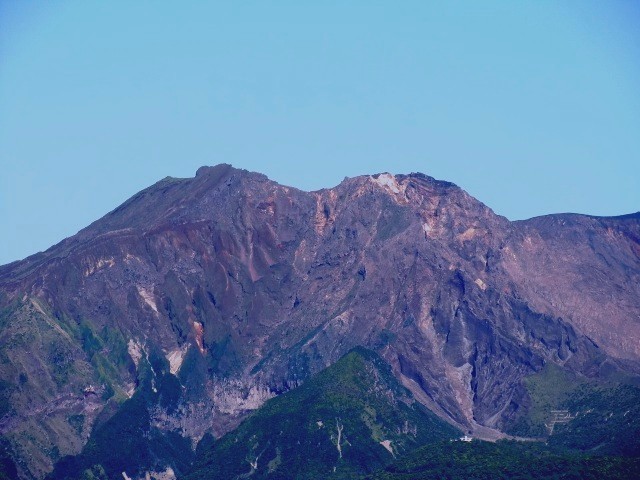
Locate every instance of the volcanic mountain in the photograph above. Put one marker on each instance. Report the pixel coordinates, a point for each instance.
(219, 292)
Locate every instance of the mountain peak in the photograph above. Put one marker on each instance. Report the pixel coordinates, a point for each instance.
(213, 170)
(244, 289)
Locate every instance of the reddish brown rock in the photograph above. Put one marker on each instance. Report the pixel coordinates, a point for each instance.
(248, 287)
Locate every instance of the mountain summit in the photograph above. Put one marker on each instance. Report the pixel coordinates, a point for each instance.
(239, 289)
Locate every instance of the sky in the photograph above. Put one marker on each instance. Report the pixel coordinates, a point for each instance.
(533, 107)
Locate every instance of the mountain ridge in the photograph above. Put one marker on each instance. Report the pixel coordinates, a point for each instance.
(249, 288)
(203, 170)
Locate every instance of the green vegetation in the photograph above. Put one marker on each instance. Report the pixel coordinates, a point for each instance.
(601, 417)
(336, 424)
(127, 442)
(607, 421)
(108, 354)
(504, 460)
(547, 390)
(354, 420)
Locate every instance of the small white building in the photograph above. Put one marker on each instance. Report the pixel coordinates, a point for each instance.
(466, 438)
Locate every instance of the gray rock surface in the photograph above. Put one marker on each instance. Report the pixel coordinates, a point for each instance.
(249, 287)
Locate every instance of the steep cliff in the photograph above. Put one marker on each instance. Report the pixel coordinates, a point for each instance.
(246, 288)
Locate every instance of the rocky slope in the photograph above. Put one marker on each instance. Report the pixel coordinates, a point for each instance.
(247, 288)
(352, 418)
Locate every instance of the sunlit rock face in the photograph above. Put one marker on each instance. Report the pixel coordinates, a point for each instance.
(246, 288)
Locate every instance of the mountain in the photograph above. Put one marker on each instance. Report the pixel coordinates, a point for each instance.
(240, 289)
(129, 440)
(352, 418)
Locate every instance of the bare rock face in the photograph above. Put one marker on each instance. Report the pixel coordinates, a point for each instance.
(248, 287)
(585, 270)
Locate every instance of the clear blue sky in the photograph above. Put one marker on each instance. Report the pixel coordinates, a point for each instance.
(532, 107)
